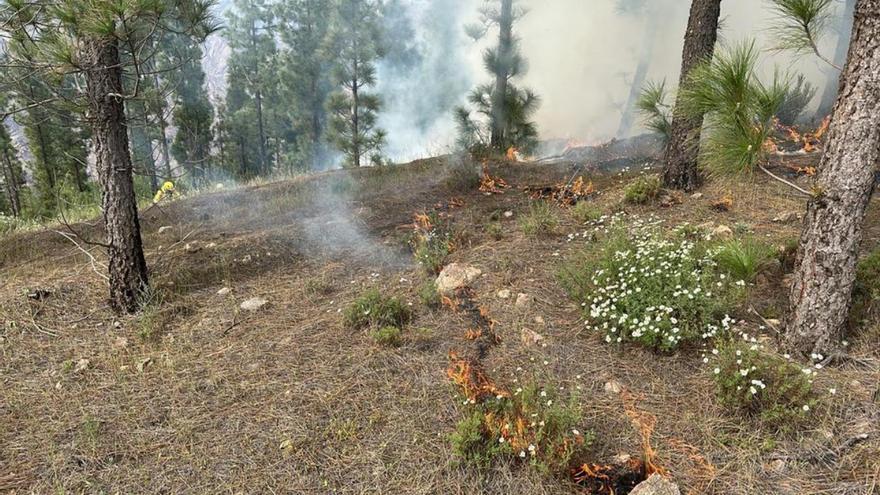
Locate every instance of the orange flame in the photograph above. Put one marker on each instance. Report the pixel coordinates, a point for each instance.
(512, 154)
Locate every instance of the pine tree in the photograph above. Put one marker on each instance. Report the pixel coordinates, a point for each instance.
(89, 39)
(821, 294)
(305, 76)
(680, 158)
(252, 79)
(646, 13)
(355, 40)
(12, 174)
(193, 113)
(505, 109)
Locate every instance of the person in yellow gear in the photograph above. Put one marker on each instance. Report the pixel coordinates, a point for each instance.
(167, 189)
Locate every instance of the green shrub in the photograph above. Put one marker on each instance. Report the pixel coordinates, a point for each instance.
(431, 242)
(642, 287)
(539, 219)
(644, 189)
(655, 109)
(372, 309)
(866, 291)
(743, 259)
(428, 294)
(737, 106)
(758, 383)
(533, 425)
(585, 212)
(387, 336)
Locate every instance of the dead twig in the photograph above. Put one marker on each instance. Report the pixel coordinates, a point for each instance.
(787, 183)
(95, 263)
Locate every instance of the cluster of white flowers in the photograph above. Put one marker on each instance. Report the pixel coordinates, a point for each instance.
(657, 292)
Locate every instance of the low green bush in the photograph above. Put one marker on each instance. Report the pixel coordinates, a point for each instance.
(755, 382)
(539, 219)
(743, 259)
(387, 336)
(643, 190)
(372, 309)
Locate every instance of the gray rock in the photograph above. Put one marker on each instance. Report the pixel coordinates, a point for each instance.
(722, 231)
(254, 304)
(530, 338)
(504, 294)
(697, 195)
(656, 485)
(456, 275)
(224, 291)
(164, 228)
(523, 300)
(789, 217)
(613, 387)
(192, 247)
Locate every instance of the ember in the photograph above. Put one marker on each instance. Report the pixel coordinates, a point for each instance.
(789, 139)
(566, 194)
(491, 185)
(611, 479)
(471, 377)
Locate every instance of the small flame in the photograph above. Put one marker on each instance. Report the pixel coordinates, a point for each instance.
(512, 154)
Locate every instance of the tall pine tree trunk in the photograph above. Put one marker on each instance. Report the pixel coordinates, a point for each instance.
(128, 269)
(11, 178)
(821, 294)
(502, 74)
(680, 158)
(646, 54)
(829, 95)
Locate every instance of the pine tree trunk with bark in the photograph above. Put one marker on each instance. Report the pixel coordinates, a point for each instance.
(821, 295)
(127, 267)
(12, 181)
(502, 74)
(680, 159)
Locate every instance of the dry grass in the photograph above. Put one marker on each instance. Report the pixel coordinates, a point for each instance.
(286, 400)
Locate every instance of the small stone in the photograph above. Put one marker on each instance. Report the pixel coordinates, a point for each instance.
(164, 228)
(539, 320)
(508, 214)
(613, 387)
(210, 245)
(504, 294)
(776, 465)
(529, 337)
(697, 196)
(789, 217)
(774, 323)
(117, 324)
(224, 291)
(254, 304)
(656, 485)
(120, 343)
(722, 231)
(456, 275)
(523, 300)
(81, 365)
(192, 247)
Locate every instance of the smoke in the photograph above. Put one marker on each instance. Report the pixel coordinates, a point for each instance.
(420, 91)
(582, 57)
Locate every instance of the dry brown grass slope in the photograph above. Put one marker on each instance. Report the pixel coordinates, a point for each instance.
(197, 396)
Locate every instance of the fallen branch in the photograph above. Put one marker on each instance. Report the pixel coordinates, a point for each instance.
(92, 259)
(789, 184)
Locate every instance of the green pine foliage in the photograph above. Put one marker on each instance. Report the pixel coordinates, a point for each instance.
(654, 107)
(738, 106)
(355, 40)
(495, 122)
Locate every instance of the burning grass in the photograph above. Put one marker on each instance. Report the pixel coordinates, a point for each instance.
(570, 193)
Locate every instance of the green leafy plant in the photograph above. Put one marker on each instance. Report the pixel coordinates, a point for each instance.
(533, 425)
(387, 336)
(655, 109)
(738, 107)
(431, 242)
(755, 382)
(866, 292)
(539, 219)
(585, 211)
(374, 309)
(657, 292)
(643, 190)
(743, 259)
(428, 294)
